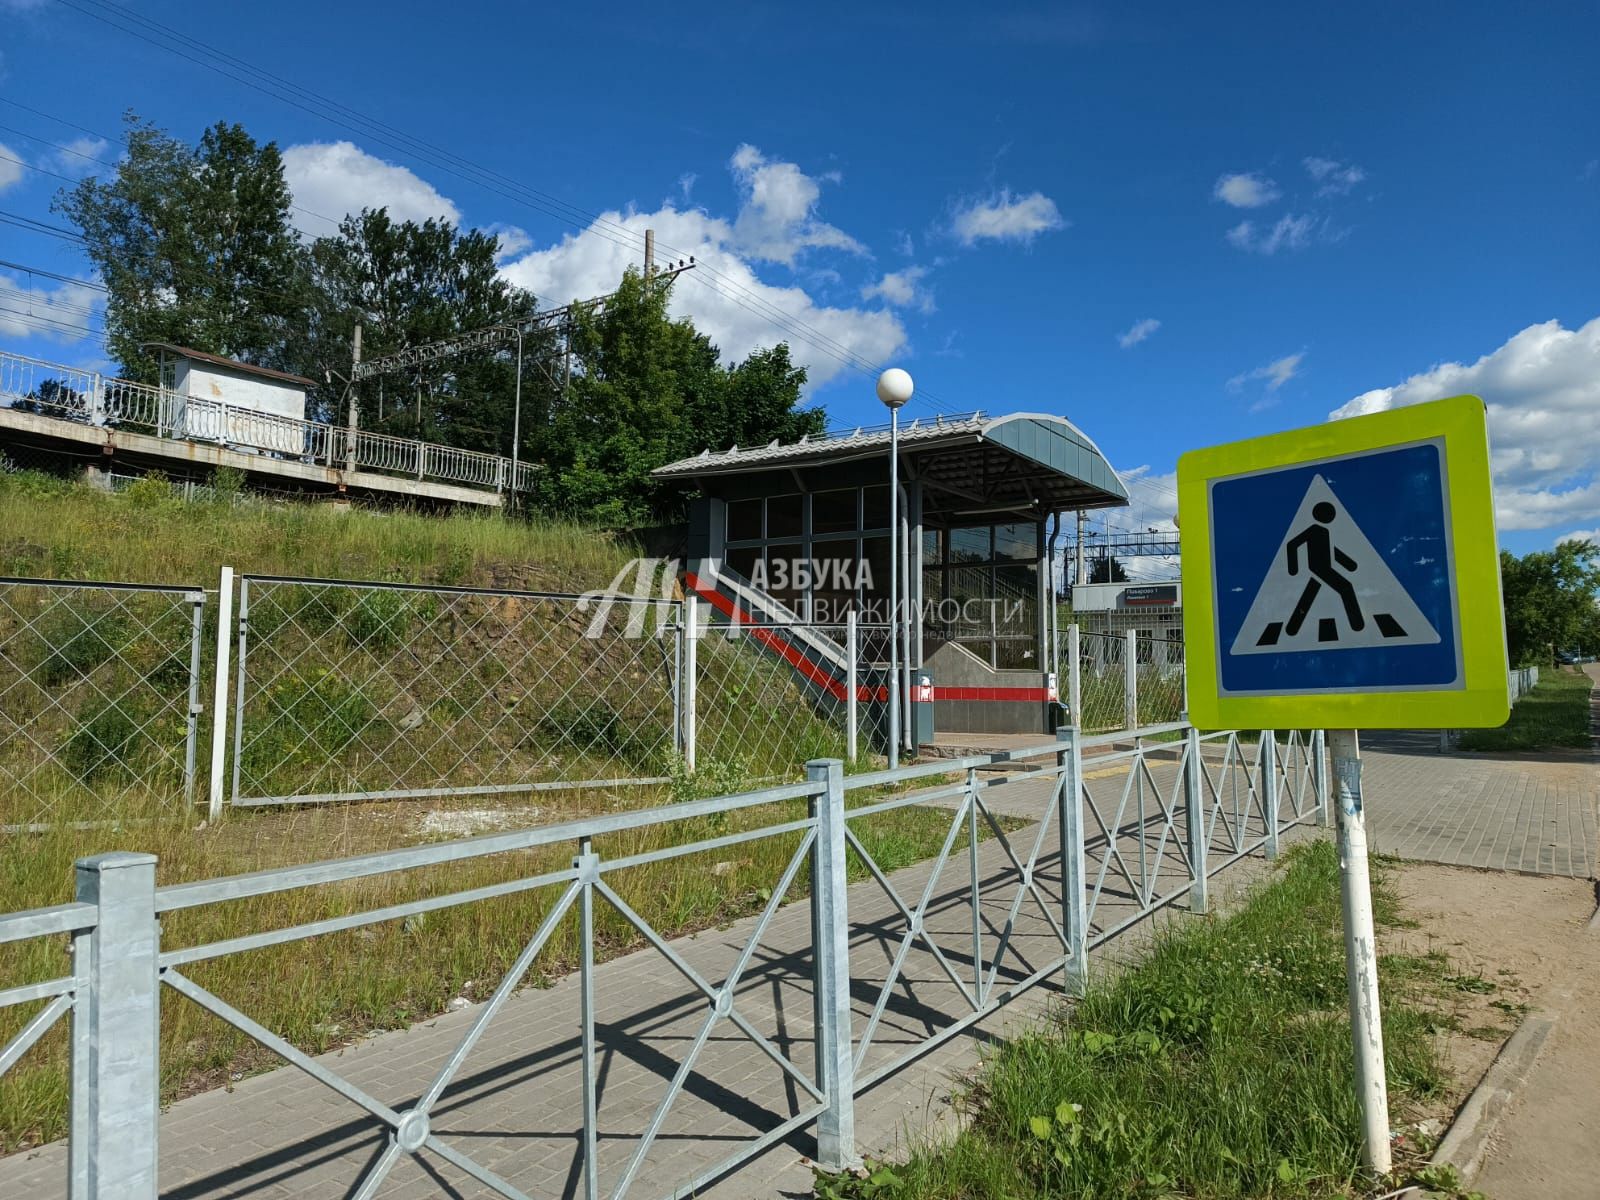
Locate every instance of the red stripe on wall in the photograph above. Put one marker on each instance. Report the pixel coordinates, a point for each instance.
(1012, 694)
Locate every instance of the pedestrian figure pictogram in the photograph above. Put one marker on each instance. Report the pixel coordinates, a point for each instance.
(1328, 589)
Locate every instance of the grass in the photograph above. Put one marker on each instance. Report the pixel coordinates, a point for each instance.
(1554, 715)
(313, 726)
(325, 992)
(1218, 1067)
(55, 529)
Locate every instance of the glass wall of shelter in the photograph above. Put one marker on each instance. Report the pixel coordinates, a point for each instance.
(825, 554)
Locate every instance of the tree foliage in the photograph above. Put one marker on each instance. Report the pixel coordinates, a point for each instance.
(409, 283)
(1550, 600)
(1107, 569)
(649, 389)
(195, 247)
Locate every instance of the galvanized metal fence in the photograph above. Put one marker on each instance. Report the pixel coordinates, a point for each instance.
(1092, 843)
(1121, 680)
(770, 694)
(351, 691)
(99, 699)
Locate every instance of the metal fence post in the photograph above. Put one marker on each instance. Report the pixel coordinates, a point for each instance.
(852, 711)
(830, 943)
(1130, 680)
(687, 680)
(1069, 824)
(1319, 776)
(1195, 818)
(1074, 677)
(121, 1046)
(192, 715)
(238, 690)
(1269, 788)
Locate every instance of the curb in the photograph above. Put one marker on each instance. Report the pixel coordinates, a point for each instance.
(1467, 1140)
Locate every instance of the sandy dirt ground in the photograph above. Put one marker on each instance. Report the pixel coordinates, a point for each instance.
(1516, 944)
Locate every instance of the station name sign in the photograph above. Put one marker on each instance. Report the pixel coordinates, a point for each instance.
(1150, 595)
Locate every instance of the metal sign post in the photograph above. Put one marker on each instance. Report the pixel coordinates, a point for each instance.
(1360, 950)
(1339, 577)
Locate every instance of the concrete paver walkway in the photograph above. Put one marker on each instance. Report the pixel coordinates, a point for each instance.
(1538, 813)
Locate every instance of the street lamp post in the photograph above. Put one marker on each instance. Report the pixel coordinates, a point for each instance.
(894, 389)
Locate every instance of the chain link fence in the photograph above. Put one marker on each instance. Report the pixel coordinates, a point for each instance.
(99, 691)
(773, 695)
(373, 691)
(1110, 695)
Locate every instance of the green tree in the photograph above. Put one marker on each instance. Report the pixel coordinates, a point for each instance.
(647, 390)
(409, 283)
(1550, 598)
(1107, 569)
(195, 247)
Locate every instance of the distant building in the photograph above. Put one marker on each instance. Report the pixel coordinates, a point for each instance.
(220, 399)
(1154, 609)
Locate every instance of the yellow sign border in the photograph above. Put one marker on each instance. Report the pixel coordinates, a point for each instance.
(1460, 422)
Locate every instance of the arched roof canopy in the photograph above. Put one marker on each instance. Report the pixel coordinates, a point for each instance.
(1029, 463)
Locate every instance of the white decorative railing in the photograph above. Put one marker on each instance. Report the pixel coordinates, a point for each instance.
(87, 397)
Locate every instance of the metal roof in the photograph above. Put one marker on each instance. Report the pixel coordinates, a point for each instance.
(231, 364)
(1036, 460)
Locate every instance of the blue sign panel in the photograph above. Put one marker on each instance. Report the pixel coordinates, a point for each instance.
(1336, 576)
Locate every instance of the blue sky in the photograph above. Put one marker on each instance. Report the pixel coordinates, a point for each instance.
(1176, 224)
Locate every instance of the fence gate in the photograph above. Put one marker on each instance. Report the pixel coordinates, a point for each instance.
(99, 691)
(386, 691)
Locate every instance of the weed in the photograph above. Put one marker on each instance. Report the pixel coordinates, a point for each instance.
(1217, 1067)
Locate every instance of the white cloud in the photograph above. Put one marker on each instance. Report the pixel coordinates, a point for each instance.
(1152, 506)
(777, 220)
(62, 311)
(1287, 233)
(903, 288)
(1139, 331)
(1007, 218)
(10, 172)
(1543, 392)
(80, 156)
(1580, 535)
(1275, 374)
(1333, 178)
(1246, 190)
(333, 179)
(514, 240)
(904, 243)
(725, 297)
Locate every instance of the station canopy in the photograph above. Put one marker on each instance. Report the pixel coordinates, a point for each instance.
(1029, 463)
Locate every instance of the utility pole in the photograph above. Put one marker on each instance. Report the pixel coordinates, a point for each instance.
(649, 256)
(355, 413)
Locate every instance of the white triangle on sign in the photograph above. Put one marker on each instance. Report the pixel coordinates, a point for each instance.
(1341, 595)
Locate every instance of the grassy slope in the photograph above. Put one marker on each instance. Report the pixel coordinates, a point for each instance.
(321, 993)
(55, 530)
(1219, 1067)
(1554, 715)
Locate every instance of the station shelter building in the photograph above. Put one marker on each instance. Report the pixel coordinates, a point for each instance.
(798, 534)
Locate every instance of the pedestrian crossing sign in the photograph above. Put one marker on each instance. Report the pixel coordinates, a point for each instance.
(1345, 576)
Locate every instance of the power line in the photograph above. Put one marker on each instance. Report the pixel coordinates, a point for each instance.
(271, 84)
(11, 266)
(34, 226)
(122, 141)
